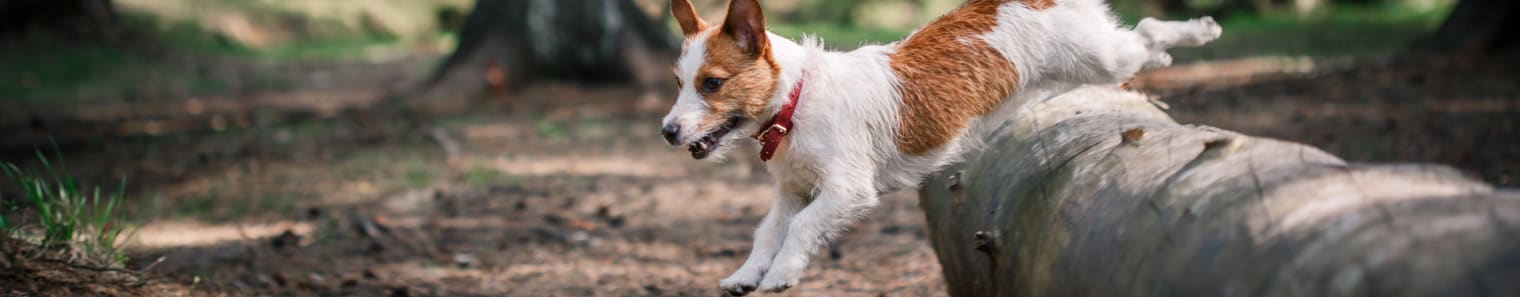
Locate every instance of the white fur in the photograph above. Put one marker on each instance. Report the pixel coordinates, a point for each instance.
(842, 151)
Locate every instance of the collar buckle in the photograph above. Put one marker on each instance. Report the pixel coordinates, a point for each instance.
(775, 127)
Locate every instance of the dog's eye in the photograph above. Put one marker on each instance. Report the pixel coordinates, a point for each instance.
(711, 85)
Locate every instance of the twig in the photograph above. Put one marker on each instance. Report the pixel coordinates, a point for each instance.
(449, 144)
(88, 267)
(150, 266)
(371, 230)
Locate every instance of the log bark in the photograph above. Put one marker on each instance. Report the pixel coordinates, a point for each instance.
(1099, 193)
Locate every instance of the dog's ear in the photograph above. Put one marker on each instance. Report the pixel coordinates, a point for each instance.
(746, 24)
(687, 16)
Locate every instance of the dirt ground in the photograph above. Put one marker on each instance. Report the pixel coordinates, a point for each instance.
(569, 197)
(556, 192)
(564, 190)
(1462, 111)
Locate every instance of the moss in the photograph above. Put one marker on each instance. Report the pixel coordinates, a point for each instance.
(419, 178)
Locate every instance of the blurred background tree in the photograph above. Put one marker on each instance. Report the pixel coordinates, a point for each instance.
(1478, 26)
(459, 50)
(507, 43)
(234, 112)
(83, 19)
(496, 44)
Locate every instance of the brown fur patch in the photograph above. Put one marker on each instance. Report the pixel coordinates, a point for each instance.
(1038, 4)
(749, 80)
(687, 17)
(948, 76)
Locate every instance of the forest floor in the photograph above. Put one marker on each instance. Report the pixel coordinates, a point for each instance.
(558, 191)
(563, 190)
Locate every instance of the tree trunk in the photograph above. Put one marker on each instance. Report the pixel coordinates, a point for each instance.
(1478, 26)
(79, 19)
(506, 43)
(1099, 193)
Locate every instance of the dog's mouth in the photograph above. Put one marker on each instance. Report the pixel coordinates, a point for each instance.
(705, 146)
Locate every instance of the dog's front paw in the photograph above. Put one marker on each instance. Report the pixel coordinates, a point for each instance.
(1211, 29)
(741, 282)
(779, 279)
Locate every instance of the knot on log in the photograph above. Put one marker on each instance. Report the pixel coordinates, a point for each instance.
(1218, 148)
(1217, 144)
(985, 241)
(953, 183)
(1132, 136)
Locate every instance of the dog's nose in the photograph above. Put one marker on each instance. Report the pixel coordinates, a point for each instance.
(670, 132)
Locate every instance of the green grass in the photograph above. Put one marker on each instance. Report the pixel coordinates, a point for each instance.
(89, 73)
(1338, 31)
(348, 45)
(339, 42)
(195, 207)
(481, 177)
(550, 129)
(167, 60)
(1335, 31)
(418, 178)
(70, 217)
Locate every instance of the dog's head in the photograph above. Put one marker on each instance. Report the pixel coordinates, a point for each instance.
(726, 77)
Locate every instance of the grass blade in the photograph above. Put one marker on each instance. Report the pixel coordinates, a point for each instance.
(70, 217)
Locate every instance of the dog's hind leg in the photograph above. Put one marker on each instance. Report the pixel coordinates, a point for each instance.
(1161, 35)
(768, 239)
(1120, 53)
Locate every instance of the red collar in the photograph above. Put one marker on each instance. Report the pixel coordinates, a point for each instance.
(779, 125)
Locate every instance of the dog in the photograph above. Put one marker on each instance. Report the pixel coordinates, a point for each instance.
(836, 129)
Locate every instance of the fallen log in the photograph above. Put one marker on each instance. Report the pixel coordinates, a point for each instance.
(1099, 193)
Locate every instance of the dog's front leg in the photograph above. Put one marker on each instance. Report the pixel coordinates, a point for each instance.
(836, 206)
(768, 239)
